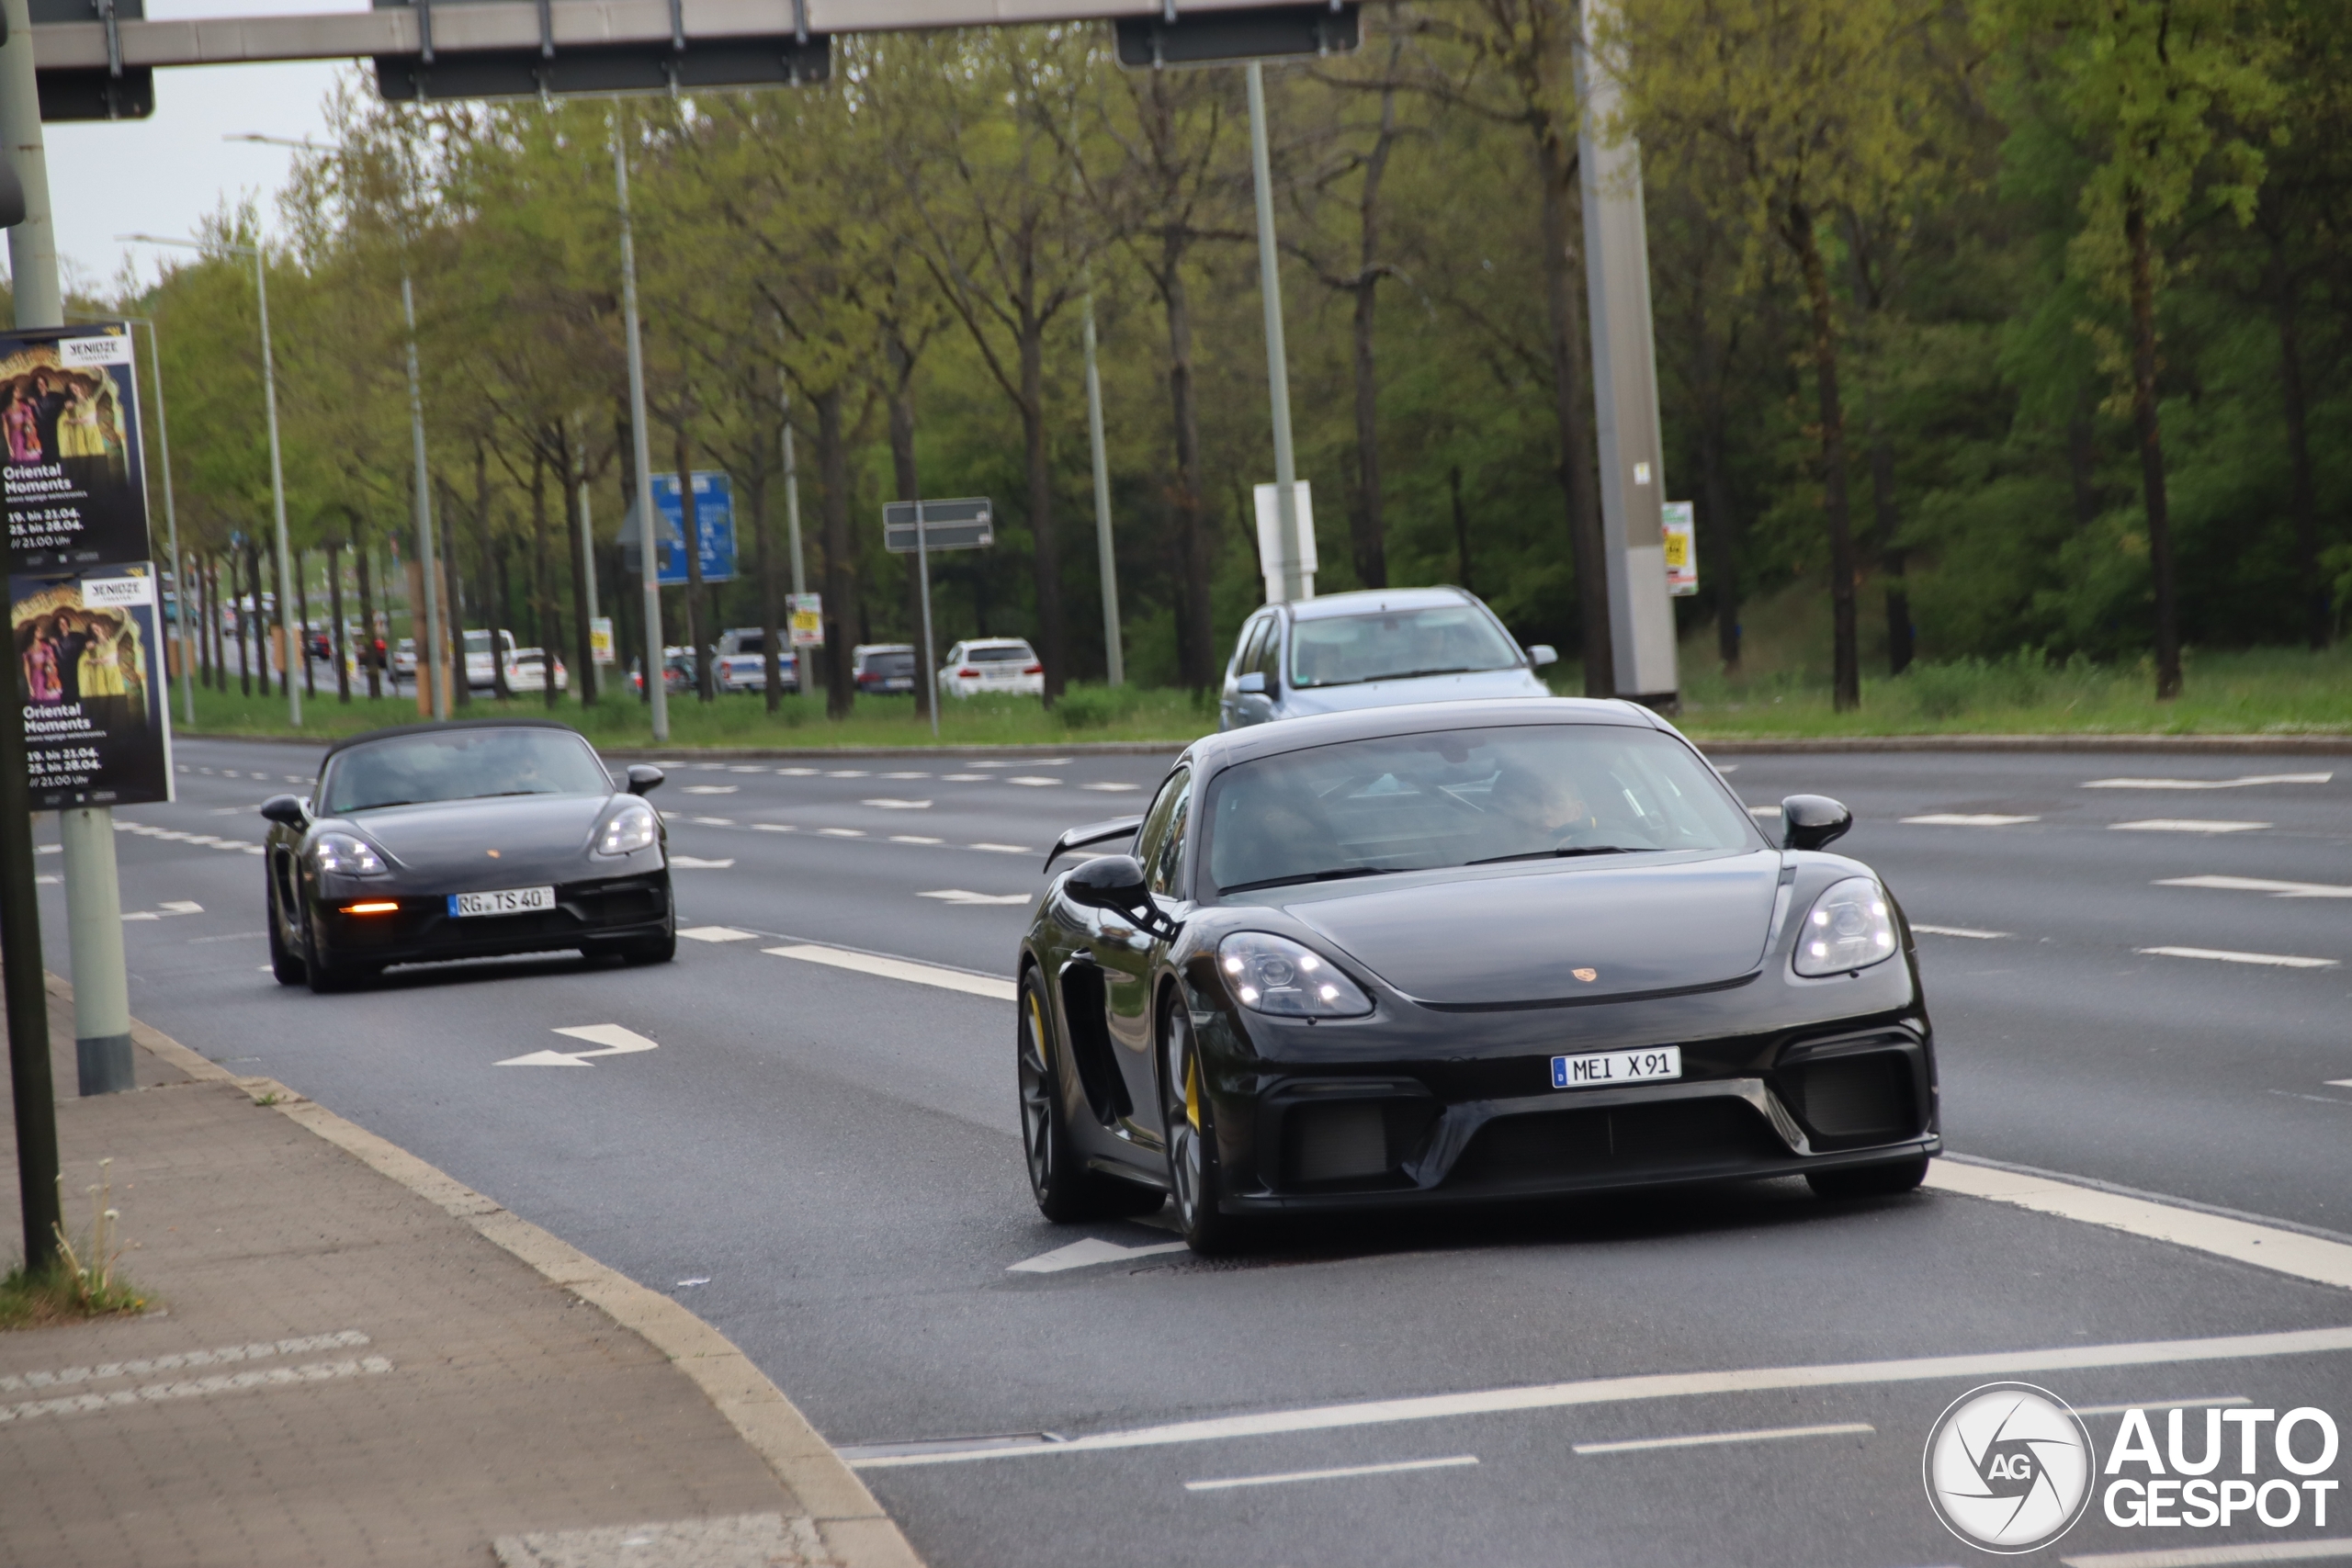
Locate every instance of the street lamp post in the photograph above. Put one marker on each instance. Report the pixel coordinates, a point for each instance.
(656, 692)
(277, 465)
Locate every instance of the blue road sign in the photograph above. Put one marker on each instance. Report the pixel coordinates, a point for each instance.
(714, 520)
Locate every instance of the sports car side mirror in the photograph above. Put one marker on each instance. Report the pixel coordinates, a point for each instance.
(285, 810)
(1814, 820)
(1253, 684)
(1543, 653)
(644, 778)
(1115, 882)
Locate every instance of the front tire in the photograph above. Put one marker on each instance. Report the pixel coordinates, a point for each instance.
(1064, 1190)
(1192, 1168)
(661, 950)
(1891, 1180)
(328, 976)
(285, 965)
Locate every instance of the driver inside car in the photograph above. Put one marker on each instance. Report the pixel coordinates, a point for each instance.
(1543, 809)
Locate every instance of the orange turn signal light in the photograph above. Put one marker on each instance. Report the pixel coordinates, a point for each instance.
(379, 906)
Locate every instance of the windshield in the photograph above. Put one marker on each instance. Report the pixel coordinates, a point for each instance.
(890, 663)
(461, 764)
(1444, 639)
(1000, 655)
(1464, 798)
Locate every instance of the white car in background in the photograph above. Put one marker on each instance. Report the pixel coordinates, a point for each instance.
(528, 672)
(405, 659)
(993, 664)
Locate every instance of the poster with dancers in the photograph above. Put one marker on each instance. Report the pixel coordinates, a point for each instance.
(89, 673)
(72, 482)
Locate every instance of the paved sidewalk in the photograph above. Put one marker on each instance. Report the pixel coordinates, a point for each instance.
(359, 1361)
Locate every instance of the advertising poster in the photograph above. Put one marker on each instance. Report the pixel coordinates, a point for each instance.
(1681, 550)
(73, 483)
(600, 638)
(89, 675)
(808, 614)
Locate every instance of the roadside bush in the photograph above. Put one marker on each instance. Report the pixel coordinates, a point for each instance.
(1088, 707)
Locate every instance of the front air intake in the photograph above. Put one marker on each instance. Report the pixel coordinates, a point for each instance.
(1866, 1097)
(1344, 1142)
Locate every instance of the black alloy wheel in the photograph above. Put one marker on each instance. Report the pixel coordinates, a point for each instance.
(1870, 1180)
(1191, 1122)
(1065, 1190)
(284, 964)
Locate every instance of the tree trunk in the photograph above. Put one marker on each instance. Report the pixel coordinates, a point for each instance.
(337, 642)
(1891, 558)
(1046, 558)
(1722, 531)
(548, 615)
(690, 522)
(363, 560)
(1195, 628)
(246, 615)
(214, 676)
(1371, 544)
(908, 479)
(771, 606)
(841, 585)
(577, 544)
(298, 647)
(260, 617)
(2302, 504)
(1461, 530)
(1845, 659)
(1556, 168)
(449, 662)
(2152, 449)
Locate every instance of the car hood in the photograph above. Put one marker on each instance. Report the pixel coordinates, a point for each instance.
(1513, 936)
(1516, 681)
(454, 838)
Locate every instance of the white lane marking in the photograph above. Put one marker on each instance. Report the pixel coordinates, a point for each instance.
(195, 1388)
(2210, 784)
(775, 827)
(890, 803)
(148, 1366)
(967, 778)
(908, 775)
(712, 821)
(748, 768)
(846, 773)
(914, 839)
(2261, 885)
(2244, 1241)
(1111, 788)
(2118, 1409)
(901, 969)
(2184, 825)
(1763, 811)
(57, 848)
(252, 849)
(2339, 1083)
(800, 772)
(1708, 1439)
(1006, 849)
(2217, 1556)
(616, 1041)
(1086, 1253)
(1228, 1483)
(691, 862)
(990, 764)
(170, 908)
(712, 789)
(959, 896)
(716, 934)
(1958, 931)
(1968, 819)
(1035, 781)
(842, 832)
(2223, 955)
(38, 880)
(1662, 1385)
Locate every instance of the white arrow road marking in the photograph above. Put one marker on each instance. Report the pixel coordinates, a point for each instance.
(2261, 885)
(2275, 960)
(689, 862)
(2184, 825)
(1086, 1253)
(716, 934)
(169, 908)
(2209, 784)
(616, 1041)
(958, 897)
(1968, 819)
(901, 969)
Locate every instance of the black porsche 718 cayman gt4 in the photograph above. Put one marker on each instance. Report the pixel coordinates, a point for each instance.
(1462, 952)
(472, 839)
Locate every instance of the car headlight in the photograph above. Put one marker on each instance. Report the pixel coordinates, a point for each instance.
(1850, 927)
(628, 829)
(1275, 974)
(350, 856)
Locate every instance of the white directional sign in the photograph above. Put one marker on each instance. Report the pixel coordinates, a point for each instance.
(612, 1038)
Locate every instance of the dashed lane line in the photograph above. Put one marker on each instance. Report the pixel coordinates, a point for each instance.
(2250, 779)
(959, 896)
(691, 862)
(1967, 819)
(2260, 885)
(1003, 849)
(2184, 825)
(1710, 1440)
(2223, 955)
(1958, 931)
(1394, 1467)
(888, 968)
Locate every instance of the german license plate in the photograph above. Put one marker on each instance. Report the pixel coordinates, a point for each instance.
(509, 901)
(1609, 1068)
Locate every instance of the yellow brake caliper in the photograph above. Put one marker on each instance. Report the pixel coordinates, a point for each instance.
(1192, 1091)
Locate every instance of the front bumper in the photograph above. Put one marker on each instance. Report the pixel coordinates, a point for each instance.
(610, 912)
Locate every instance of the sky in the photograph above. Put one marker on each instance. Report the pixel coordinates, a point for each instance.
(164, 174)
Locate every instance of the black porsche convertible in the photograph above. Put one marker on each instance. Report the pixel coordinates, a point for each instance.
(477, 839)
(1462, 952)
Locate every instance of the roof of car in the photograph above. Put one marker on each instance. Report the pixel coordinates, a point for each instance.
(1369, 601)
(347, 744)
(1257, 740)
(995, 642)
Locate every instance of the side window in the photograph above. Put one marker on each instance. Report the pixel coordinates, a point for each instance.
(1165, 873)
(1268, 655)
(1162, 825)
(1247, 651)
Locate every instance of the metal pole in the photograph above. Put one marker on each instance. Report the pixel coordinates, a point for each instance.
(1624, 385)
(588, 677)
(172, 526)
(650, 555)
(1113, 655)
(792, 498)
(428, 658)
(277, 493)
(32, 261)
(1270, 287)
(923, 569)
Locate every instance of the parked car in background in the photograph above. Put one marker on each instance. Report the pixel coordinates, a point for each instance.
(480, 673)
(405, 659)
(528, 672)
(883, 666)
(993, 664)
(1374, 648)
(740, 663)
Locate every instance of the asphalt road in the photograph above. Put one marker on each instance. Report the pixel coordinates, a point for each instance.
(824, 1162)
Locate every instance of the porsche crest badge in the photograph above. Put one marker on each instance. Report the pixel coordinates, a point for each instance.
(1587, 976)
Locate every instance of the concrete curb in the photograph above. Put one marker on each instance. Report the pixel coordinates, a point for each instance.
(855, 1530)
